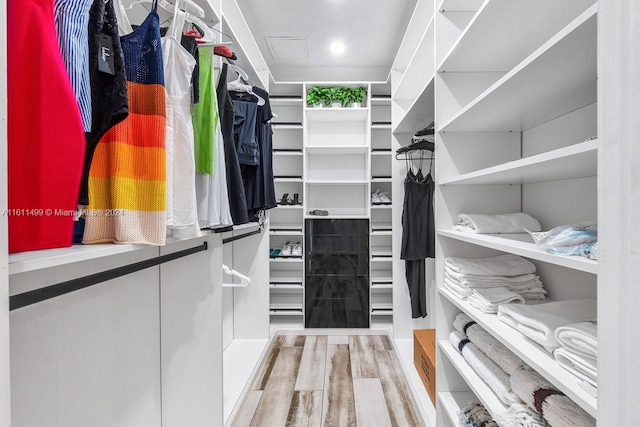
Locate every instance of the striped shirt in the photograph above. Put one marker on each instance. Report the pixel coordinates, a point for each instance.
(72, 25)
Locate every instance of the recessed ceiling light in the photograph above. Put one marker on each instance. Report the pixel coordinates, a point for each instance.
(337, 48)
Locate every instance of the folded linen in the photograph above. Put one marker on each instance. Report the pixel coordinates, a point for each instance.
(480, 280)
(580, 338)
(475, 415)
(492, 374)
(532, 291)
(556, 408)
(539, 322)
(496, 224)
(501, 265)
(488, 300)
(519, 415)
(494, 349)
(585, 368)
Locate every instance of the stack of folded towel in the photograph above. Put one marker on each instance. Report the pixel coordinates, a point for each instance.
(496, 224)
(539, 322)
(556, 408)
(578, 352)
(489, 282)
(475, 415)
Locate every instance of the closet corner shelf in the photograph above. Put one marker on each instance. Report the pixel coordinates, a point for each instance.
(416, 75)
(381, 206)
(345, 114)
(380, 100)
(36, 260)
(289, 287)
(508, 27)
(545, 85)
(290, 180)
(382, 280)
(381, 286)
(534, 355)
(453, 402)
(419, 112)
(381, 153)
(381, 127)
(522, 244)
(292, 101)
(481, 390)
(575, 161)
(277, 126)
(277, 152)
(381, 232)
(375, 180)
(333, 150)
(460, 6)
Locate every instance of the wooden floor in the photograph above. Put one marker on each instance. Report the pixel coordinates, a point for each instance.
(332, 381)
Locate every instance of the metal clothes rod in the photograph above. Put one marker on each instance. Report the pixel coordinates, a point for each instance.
(38, 295)
(242, 236)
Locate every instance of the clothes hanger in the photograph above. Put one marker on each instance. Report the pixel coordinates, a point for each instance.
(186, 5)
(237, 85)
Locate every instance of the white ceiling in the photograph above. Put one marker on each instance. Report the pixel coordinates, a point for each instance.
(371, 29)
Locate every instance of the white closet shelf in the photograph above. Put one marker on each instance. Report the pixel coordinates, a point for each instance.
(294, 207)
(337, 216)
(285, 101)
(35, 260)
(345, 114)
(286, 232)
(276, 126)
(509, 28)
(381, 100)
(291, 180)
(381, 206)
(284, 228)
(286, 279)
(422, 60)
(285, 306)
(381, 127)
(381, 233)
(375, 180)
(419, 112)
(382, 280)
(291, 287)
(375, 258)
(287, 153)
(546, 85)
(285, 260)
(453, 402)
(412, 36)
(575, 161)
(381, 226)
(281, 312)
(522, 244)
(533, 354)
(335, 182)
(482, 391)
(336, 150)
(460, 6)
(381, 286)
(381, 153)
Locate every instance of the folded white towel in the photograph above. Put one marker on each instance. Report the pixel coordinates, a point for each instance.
(470, 278)
(539, 322)
(494, 349)
(519, 415)
(501, 265)
(496, 378)
(461, 293)
(488, 300)
(580, 338)
(585, 368)
(495, 224)
(555, 407)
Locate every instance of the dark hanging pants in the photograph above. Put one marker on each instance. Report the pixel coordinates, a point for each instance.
(415, 272)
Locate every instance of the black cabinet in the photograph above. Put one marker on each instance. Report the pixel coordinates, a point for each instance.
(337, 273)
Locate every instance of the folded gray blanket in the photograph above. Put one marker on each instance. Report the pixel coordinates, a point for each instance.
(475, 415)
(494, 349)
(556, 408)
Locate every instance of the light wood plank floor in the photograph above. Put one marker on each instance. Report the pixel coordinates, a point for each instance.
(329, 381)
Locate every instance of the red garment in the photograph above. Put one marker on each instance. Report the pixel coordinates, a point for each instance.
(45, 135)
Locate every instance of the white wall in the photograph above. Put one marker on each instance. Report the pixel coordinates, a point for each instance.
(5, 397)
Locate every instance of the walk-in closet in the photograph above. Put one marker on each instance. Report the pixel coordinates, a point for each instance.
(241, 213)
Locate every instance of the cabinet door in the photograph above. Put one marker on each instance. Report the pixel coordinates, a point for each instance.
(90, 357)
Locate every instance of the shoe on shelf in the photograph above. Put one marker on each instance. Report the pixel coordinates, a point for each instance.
(284, 200)
(297, 249)
(375, 197)
(318, 212)
(384, 198)
(296, 199)
(287, 249)
(273, 253)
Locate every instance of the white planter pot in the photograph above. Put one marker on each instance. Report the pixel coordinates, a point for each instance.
(317, 106)
(336, 105)
(356, 105)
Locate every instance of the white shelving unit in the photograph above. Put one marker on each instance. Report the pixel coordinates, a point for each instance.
(286, 223)
(516, 107)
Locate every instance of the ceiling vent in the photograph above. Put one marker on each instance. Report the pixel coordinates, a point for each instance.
(287, 48)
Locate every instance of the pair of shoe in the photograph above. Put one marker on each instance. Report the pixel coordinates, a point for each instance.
(318, 212)
(291, 250)
(379, 198)
(273, 253)
(286, 201)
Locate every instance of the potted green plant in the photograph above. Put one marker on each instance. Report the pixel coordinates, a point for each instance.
(357, 97)
(313, 97)
(342, 96)
(325, 95)
(334, 94)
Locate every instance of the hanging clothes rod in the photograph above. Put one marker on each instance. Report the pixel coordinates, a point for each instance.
(26, 299)
(412, 157)
(241, 236)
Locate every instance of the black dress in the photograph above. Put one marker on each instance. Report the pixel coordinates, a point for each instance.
(109, 100)
(418, 237)
(235, 186)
